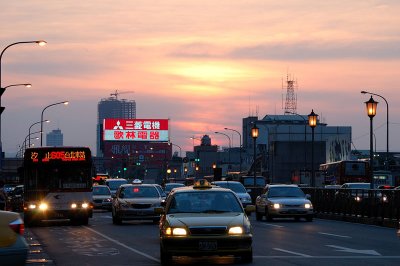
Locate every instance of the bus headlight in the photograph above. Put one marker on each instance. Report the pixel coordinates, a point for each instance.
(73, 205)
(85, 205)
(32, 206)
(43, 206)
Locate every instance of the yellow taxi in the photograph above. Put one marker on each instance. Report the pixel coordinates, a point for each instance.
(13, 247)
(204, 220)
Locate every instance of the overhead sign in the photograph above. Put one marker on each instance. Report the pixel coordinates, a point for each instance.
(135, 130)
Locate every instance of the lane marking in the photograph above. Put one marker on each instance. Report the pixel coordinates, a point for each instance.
(328, 234)
(123, 245)
(267, 224)
(294, 253)
(351, 250)
(327, 257)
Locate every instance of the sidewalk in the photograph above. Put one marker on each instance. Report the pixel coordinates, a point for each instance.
(36, 254)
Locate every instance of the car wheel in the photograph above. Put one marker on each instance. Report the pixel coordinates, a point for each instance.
(258, 215)
(268, 217)
(309, 218)
(165, 257)
(247, 257)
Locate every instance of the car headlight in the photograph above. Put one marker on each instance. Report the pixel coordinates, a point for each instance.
(43, 206)
(177, 231)
(384, 198)
(85, 205)
(32, 206)
(308, 205)
(357, 198)
(246, 199)
(236, 230)
(73, 205)
(108, 200)
(276, 205)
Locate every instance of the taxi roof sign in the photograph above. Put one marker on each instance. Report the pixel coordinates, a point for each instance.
(202, 183)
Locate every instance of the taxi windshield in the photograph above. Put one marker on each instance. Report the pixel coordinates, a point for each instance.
(204, 202)
(278, 192)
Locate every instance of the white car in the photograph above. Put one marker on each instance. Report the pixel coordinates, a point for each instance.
(239, 190)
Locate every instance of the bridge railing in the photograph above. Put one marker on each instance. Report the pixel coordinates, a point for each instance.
(357, 205)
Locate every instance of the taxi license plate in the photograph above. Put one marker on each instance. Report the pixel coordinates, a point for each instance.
(207, 245)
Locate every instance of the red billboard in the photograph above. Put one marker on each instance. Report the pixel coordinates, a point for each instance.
(153, 130)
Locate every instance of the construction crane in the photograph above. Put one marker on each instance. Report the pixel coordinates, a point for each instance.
(116, 93)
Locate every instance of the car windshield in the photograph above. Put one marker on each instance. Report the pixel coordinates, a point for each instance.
(115, 184)
(101, 191)
(279, 192)
(204, 202)
(235, 187)
(161, 191)
(139, 192)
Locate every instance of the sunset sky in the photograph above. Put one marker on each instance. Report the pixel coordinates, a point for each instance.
(203, 64)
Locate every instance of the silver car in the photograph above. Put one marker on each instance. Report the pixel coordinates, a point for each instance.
(101, 197)
(136, 202)
(284, 201)
(239, 190)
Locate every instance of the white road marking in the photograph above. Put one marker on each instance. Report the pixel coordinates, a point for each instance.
(267, 224)
(123, 245)
(294, 253)
(327, 257)
(328, 234)
(350, 250)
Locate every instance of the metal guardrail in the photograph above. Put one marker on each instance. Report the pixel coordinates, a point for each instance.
(380, 207)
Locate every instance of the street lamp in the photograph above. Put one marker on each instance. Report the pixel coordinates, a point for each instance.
(29, 131)
(41, 43)
(229, 151)
(254, 135)
(41, 119)
(29, 136)
(240, 148)
(312, 122)
(387, 127)
(371, 112)
(180, 149)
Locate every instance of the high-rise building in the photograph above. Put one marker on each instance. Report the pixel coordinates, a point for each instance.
(55, 138)
(112, 107)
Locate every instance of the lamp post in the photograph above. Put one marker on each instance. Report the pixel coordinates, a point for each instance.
(29, 137)
(305, 139)
(254, 135)
(240, 147)
(41, 119)
(2, 90)
(371, 112)
(180, 149)
(387, 127)
(29, 131)
(312, 122)
(229, 151)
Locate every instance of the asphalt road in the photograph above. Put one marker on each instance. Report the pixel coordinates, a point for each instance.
(281, 242)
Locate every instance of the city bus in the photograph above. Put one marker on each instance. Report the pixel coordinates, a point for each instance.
(57, 184)
(347, 171)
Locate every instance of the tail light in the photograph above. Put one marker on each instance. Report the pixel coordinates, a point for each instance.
(18, 226)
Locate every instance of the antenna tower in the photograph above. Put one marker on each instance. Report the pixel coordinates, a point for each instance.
(291, 98)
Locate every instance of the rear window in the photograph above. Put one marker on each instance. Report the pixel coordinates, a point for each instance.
(115, 184)
(101, 191)
(139, 192)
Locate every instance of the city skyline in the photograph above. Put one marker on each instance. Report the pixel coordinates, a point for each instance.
(204, 66)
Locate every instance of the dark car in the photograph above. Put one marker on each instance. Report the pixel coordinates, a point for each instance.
(15, 199)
